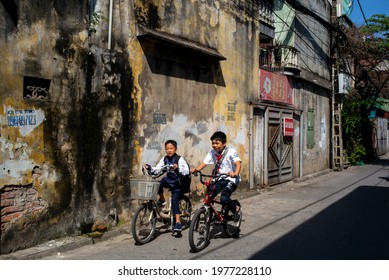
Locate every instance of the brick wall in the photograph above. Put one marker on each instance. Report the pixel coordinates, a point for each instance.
(18, 201)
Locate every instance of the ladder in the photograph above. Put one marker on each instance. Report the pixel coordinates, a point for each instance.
(337, 143)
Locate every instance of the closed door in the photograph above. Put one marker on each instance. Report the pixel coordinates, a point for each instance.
(279, 148)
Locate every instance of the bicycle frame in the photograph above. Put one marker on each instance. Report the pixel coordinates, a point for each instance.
(209, 203)
(206, 215)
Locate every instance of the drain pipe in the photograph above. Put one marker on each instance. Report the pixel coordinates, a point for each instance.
(301, 145)
(110, 23)
(251, 149)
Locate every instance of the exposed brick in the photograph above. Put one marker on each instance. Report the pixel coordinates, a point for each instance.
(16, 215)
(36, 204)
(11, 209)
(4, 226)
(31, 191)
(7, 202)
(6, 218)
(37, 210)
(7, 195)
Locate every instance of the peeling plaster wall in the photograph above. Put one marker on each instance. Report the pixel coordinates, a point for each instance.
(190, 92)
(72, 145)
(67, 142)
(318, 158)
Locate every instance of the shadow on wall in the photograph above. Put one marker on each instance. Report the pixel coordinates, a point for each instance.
(184, 63)
(354, 228)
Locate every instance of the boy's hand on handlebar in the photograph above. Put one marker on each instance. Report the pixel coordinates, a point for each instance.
(193, 171)
(147, 167)
(233, 174)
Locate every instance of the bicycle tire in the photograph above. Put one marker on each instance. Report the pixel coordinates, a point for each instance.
(186, 210)
(231, 228)
(143, 224)
(199, 230)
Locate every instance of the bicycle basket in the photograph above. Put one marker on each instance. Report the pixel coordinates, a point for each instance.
(144, 189)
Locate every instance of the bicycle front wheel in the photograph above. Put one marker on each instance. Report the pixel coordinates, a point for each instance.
(231, 227)
(143, 224)
(199, 230)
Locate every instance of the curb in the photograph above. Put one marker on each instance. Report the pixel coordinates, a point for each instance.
(60, 245)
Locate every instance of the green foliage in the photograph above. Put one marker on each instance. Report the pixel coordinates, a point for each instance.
(376, 33)
(95, 19)
(356, 127)
(368, 48)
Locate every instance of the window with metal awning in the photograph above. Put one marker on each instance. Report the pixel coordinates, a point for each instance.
(178, 57)
(144, 32)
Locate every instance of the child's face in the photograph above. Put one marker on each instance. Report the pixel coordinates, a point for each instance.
(170, 150)
(218, 146)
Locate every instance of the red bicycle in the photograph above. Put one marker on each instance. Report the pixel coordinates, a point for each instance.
(207, 216)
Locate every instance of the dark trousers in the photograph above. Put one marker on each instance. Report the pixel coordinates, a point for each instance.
(226, 187)
(174, 187)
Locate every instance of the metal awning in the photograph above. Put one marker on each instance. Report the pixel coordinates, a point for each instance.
(156, 35)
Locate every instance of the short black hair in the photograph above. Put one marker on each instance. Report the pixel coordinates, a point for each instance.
(218, 135)
(174, 143)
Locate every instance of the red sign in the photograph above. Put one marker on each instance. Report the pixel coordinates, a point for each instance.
(288, 127)
(275, 87)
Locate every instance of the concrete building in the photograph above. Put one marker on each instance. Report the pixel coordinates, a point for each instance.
(91, 90)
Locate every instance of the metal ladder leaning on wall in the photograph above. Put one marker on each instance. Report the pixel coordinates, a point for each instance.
(337, 143)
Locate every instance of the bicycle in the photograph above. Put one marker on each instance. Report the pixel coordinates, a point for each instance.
(208, 216)
(144, 221)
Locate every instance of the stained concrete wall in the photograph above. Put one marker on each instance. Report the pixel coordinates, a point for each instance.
(69, 149)
(78, 120)
(65, 124)
(193, 92)
(312, 88)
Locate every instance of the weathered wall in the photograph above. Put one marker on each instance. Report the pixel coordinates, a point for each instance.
(317, 158)
(314, 88)
(194, 92)
(314, 44)
(64, 147)
(69, 148)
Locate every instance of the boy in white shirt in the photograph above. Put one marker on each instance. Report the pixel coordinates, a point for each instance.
(227, 161)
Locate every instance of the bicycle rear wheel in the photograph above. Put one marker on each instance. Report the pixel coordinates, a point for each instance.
(232, 228)
(144, 223)
(199, 230)
(186, 209)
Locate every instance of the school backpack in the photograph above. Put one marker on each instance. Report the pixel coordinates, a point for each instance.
(185, 180)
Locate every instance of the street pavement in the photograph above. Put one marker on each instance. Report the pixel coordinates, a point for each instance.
(326, 216)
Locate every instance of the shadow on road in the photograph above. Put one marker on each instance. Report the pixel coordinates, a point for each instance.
(354, 228)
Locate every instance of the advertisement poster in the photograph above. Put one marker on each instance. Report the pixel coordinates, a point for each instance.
(275, 87)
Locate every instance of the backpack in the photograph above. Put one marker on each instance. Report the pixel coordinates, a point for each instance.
(185, 180)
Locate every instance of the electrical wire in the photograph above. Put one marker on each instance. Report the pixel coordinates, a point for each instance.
(363, 14)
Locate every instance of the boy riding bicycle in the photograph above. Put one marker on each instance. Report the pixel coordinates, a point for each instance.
(226, 160)
(171, 181)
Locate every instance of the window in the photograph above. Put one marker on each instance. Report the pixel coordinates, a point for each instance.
(311, 129)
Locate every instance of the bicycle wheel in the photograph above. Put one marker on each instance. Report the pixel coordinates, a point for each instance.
(232, 228)
(199, 230)
(186, 209)
(143, 224)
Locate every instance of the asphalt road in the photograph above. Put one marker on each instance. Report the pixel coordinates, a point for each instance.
(337, 216)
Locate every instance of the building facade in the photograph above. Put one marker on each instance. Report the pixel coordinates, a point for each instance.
(91, 90)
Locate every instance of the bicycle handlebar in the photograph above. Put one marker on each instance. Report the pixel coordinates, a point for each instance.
(163, 170)
(214, 177)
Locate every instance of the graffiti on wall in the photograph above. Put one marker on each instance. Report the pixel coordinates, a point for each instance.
(35, 88)
(26, 120)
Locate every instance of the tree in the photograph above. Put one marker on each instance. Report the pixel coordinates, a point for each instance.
(364, 55)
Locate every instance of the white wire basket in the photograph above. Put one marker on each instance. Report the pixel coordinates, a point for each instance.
(144, 189)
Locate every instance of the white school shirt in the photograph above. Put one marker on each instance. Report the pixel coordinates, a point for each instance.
(182, 166)
(228, 163)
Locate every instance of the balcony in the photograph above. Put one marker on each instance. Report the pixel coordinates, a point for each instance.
(283, 59)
